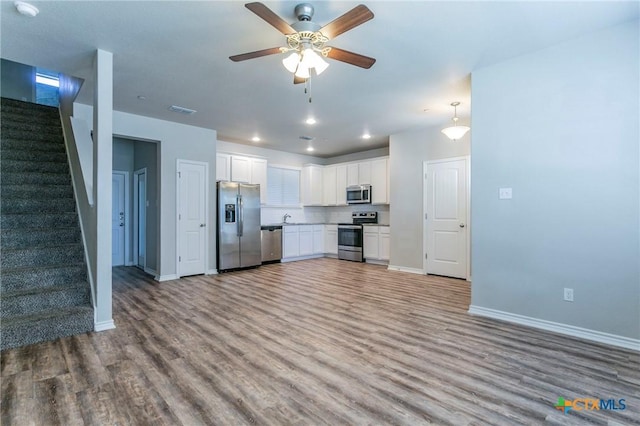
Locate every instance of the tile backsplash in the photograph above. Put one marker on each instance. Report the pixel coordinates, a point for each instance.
(341, 214)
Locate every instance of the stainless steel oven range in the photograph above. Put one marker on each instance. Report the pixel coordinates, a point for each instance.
(350, 236)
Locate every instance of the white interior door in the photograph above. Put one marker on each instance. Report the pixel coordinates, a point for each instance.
(192, 214)
(446, 203)
(118, 218)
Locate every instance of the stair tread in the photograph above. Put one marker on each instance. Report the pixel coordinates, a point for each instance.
(74, 285)
(48, 314)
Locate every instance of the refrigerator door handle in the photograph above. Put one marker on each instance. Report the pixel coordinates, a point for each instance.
(240, 215)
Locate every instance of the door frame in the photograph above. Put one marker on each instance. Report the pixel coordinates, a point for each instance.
(127, 228)
(136, 224)
(180, 162)
(425, 229)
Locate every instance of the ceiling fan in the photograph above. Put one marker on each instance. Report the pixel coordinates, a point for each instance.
(306, 40)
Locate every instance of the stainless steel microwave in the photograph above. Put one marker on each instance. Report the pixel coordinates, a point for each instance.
(358, 194)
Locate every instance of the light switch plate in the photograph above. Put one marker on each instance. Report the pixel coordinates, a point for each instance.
(505, 193)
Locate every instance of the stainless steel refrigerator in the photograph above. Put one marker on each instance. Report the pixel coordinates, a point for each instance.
(238, 244)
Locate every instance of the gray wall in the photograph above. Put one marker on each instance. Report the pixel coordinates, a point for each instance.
(357, 156)
(560, 126)
(273, 156)
(146, 155)
(176, 141)
(407, 153)
(18, 81)
(123, 155)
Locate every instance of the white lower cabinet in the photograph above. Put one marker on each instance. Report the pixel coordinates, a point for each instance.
(331, 239)
(290, 242)
(370, 242)
(305, 237)
(376, 243)
(318, 239)
(303, 241)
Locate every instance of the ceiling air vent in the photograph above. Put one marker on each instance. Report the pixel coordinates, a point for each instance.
(182, 110)
(306, 138)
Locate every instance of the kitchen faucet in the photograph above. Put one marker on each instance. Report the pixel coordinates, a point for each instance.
(285, 217)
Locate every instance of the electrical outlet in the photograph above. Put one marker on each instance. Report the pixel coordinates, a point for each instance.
(568, 295)
(505, 193)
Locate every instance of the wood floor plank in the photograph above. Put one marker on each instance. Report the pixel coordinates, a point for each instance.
(56, 402)
(314, 342)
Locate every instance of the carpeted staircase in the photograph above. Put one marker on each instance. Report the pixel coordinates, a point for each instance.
(44, 293)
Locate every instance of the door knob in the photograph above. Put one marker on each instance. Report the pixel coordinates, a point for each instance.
(202, 225)
(461, 225)
(122, 224)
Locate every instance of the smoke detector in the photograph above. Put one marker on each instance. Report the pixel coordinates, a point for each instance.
(26, 9)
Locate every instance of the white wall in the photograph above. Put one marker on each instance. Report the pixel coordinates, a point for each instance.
(560, 126)
(407, 153)
(177, 141)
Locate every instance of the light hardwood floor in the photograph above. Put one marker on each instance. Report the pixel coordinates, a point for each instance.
(308, 343)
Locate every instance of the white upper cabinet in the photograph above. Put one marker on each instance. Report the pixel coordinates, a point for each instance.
(237, 168)
(312, 183)
(223, 167)
(341, 184)
(329, 187)
(379, 181)
(240, 169)
(364, 173)
(353, 176)
(259, 176)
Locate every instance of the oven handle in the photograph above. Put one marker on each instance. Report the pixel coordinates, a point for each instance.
(349, 226)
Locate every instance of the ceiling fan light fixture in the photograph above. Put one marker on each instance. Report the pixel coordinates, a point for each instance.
(455, 132)
(302, 71)
(291, 62)
(321, 65)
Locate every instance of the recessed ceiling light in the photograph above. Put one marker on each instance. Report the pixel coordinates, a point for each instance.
(26, 9)
(366, 136)
(255, 139)
(310, 149)
(310, 120)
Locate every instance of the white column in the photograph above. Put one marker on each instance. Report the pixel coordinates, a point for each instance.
(102, 160)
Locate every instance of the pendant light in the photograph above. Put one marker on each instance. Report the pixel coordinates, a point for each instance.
(455, 132)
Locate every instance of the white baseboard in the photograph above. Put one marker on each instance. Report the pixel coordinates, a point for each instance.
(405, 269)
(103, 325)
(295, 259)
(570, 330)
(212, 272)
(169, 277)
(377, 262)
(129, 263)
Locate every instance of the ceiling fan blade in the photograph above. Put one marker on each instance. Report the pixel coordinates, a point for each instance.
(351, 58)
(298, 80)
(356, 16)
(268, 15)
(256, 54)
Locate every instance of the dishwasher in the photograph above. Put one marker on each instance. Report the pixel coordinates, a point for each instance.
(271, 237)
